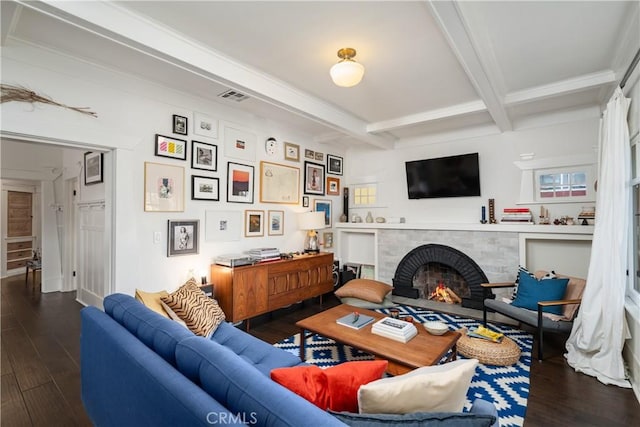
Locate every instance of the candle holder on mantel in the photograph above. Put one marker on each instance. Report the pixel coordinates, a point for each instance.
(492, 211)
(483, 220)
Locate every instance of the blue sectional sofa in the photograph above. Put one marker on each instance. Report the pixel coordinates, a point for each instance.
(139, 368)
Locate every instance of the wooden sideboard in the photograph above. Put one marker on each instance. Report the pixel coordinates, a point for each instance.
(247, 291)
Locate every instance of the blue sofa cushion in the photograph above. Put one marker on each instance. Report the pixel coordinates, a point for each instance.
(264, 357)
(237, 385)
(155, 331)
(124, 383)
(416, 419)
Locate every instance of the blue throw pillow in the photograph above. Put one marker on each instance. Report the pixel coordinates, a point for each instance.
(531, 290)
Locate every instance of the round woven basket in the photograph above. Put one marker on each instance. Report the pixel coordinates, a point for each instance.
(504, 353)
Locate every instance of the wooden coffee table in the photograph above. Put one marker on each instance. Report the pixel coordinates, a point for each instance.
(422, 350)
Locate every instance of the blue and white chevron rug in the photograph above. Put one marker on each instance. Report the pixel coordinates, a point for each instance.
(506, 386)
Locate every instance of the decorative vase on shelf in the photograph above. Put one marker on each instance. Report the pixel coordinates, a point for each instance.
(369, 217)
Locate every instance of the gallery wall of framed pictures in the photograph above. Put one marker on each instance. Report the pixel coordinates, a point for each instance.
(223, 157)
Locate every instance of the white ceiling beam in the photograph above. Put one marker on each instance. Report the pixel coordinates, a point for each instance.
(452, 24)
(427, 116)
(120, 25)
(560, 88)
(10, 16)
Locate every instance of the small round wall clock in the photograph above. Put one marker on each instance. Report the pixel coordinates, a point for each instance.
(271, 146)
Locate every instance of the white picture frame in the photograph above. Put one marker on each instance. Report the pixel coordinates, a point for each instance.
(205, 126)
(239, 144)
(222, 226)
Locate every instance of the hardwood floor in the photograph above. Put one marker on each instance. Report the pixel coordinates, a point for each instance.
(40, 356)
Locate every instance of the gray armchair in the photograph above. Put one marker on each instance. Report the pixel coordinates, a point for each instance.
(570, 302)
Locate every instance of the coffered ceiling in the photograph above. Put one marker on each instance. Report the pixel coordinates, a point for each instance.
(431, 67)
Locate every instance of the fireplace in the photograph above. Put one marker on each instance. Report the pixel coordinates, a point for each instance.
(447, 262)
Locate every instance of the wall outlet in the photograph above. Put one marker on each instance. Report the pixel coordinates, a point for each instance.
(156, 237)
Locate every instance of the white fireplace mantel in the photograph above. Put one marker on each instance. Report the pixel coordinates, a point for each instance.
(565, 248)
(509, 228)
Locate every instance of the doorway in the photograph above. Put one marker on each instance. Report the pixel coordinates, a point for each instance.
(57, 173)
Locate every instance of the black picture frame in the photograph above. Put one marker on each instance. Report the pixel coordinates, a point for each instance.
(334, 164)
(173, 148)
(239, 183)
(183, 237)
(205, 188)
(180, 125)
(204, 156)
(314, 178)
(93, 165)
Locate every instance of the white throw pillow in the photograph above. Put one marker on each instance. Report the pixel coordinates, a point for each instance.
(439, 388)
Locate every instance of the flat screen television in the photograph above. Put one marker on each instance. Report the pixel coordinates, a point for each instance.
(453, 176)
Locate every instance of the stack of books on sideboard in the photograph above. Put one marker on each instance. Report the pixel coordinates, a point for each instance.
(394, 329)
(516, 216)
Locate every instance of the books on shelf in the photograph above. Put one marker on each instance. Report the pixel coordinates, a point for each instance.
(355, 320)
(395, 329)
(517, 215)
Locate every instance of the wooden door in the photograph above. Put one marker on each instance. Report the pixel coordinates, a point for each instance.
(19, 214)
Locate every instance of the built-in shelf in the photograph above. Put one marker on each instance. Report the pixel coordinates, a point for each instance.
(515, 228)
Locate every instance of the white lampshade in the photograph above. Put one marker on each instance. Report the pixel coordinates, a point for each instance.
(311, 221)
(347, 73)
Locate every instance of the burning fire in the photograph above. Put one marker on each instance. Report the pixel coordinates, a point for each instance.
(443, 293)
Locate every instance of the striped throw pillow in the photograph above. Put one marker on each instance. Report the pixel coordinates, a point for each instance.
(202, 314)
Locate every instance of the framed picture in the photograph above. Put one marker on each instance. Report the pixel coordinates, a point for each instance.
(305, 201)
(327, 238)
(313, 178)
(93, 168)
(239, 144)
(205, 126)
(334, 164)
(320, 205)
(204, 156)
(180, 125)
(205, 188)
(333, 186)
(223, 226)
(291, 151)
(253, 223)
(171, 147)
(279, 183)
(183, 237)
(163, 188)
(239, 183)
(276, 223)
(309, 154)
(367, 271)
(318, 156)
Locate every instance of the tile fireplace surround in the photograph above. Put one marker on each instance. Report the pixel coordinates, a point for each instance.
(498, 249)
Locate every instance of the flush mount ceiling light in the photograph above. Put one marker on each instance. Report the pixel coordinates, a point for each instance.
(347, 72)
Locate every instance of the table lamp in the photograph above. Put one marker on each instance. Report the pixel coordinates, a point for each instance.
(311, 221)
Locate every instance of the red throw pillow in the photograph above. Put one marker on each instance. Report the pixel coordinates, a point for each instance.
(334, 388)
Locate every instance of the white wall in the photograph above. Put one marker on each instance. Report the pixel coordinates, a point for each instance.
(499, 177)
(130, 113)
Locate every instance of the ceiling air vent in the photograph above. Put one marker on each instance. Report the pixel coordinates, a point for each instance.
(233, 95)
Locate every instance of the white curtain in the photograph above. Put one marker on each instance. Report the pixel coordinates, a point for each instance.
(597, 338)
